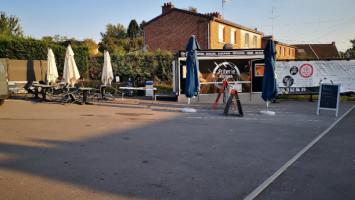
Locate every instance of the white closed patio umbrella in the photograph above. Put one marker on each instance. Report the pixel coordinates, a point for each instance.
(107, 74)
(71, 73)
(52, 72)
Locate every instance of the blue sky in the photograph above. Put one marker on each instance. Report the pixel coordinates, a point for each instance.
(294, 21)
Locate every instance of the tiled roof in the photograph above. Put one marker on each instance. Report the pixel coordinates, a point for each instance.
(317, 51)
(207, 17)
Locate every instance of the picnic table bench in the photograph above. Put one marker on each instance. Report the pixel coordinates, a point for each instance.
(139, 88)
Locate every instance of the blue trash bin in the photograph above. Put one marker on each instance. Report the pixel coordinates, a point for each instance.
(149, 84)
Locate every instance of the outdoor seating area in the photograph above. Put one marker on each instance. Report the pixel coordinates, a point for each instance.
(63, 93)
(82, 93)
(70, 89)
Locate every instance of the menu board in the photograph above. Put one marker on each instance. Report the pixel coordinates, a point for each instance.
(329, 97)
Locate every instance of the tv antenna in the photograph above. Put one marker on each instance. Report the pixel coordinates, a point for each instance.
(223, 2)
(273, 10)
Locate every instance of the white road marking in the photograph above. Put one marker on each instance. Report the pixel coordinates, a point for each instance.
(272, 178)
(244, 118)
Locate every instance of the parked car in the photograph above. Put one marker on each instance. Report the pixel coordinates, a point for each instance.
(4, 88)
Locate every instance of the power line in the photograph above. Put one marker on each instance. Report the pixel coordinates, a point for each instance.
(319, 22)
(309, 23)
(332, 27)
(335, 29)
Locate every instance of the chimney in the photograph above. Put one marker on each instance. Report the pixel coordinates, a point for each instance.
(215, 14)
(333, 43)
(167, 7)
(267, 37)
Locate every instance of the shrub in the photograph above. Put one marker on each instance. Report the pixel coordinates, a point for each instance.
(143, 66)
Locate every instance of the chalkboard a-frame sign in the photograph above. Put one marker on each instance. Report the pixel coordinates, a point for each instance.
(328, 97)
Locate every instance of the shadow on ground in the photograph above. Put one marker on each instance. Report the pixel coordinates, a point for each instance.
(193, 156)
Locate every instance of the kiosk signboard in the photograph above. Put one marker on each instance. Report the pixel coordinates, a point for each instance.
(216, 66)
(297, 77)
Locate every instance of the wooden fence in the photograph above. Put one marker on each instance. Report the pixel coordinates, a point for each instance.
(25, 70)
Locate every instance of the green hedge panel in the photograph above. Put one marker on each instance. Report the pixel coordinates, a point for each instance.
(32, 49)
(143, 66)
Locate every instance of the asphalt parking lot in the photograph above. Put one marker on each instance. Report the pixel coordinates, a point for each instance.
(134, 149)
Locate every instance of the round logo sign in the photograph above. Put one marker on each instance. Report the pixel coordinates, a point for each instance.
(287, 81)
(306, 70)
(293, 70)
(225, 71)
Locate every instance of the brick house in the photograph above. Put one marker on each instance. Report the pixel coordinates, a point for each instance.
(172, 29)
(283, 51)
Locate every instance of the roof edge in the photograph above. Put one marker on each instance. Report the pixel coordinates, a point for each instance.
(237, 25)
(179, 10)
(207, 17)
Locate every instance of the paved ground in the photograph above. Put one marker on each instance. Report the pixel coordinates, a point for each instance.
(134, 149)
(324, 172)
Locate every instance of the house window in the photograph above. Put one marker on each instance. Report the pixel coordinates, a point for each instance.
(255, 41)
(221, 33)
(246, 40)
(233, 36)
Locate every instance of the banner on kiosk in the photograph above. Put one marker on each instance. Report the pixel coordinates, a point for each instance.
(296, 76)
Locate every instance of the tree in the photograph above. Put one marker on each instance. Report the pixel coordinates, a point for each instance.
(192, 9)
(9, 26)
(48, 38)
(93, 47)
(350, 53)
(111, 45)
(115, 38)
(56, 38)
(134, 44)
(112, 31)
(141, 25)
(133, 29)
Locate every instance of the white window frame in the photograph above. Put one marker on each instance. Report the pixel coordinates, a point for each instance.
(255, 41)
(246, 40)
(233, 36)
(221, 37)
